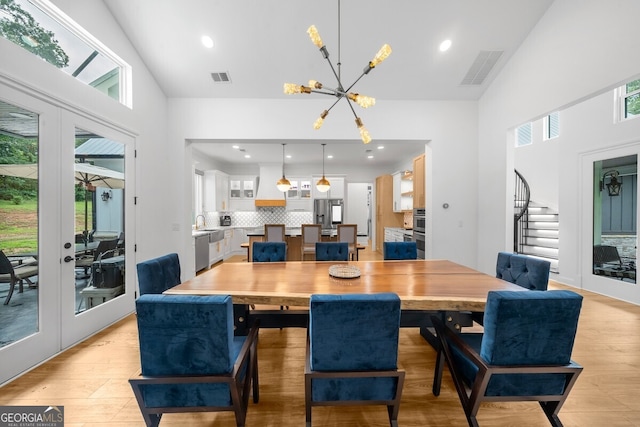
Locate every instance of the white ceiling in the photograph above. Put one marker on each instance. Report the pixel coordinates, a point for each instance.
(262, 44)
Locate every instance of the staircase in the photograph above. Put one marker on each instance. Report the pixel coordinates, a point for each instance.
(536, 227)
(540, 236)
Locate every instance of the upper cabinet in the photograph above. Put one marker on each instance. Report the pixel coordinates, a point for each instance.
(216, 191)
(419, 193)
(299, 195)
(242, 191)
(402, 191)
(336, 191)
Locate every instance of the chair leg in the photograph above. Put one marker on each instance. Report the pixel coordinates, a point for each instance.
(437, 374)
(12, 285)
(551, 410)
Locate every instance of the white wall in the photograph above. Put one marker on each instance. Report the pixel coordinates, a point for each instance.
(580, 48)
(450, 128)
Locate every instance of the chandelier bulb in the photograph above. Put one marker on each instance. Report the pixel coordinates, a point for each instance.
(382, 54)
(318, 123)
(362, 100)
(364, 133)
(315, 36)
(315, 84)
(291, 88)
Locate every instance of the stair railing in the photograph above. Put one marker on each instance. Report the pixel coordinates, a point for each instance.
(521, 211)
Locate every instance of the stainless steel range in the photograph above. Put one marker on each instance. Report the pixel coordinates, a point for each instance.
(419, 229)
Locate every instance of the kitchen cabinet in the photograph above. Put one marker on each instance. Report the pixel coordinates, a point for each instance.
(402, 191)
(385, 216)
(242, 187)
(226, 247)
(299, 195)
(419, 192)
(216, 191)
(336, 191)
(238, 237)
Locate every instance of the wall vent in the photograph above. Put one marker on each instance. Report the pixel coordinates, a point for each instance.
(221, 77)
(481, 67)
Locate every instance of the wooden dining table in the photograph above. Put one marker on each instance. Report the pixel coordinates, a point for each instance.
(424, 287)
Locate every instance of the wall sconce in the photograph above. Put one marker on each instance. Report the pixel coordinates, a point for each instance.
(614, 186)
(106, 195)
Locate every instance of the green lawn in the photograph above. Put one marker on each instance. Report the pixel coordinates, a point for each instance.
(19, 225)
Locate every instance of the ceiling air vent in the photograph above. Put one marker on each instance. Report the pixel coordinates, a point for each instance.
(481, 67)
(222, 77)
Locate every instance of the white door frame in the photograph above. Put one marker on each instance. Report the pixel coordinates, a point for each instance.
(608, 286)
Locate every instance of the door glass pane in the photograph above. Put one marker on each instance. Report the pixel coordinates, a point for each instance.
(18, 223)
(99, 220)
(614, 212)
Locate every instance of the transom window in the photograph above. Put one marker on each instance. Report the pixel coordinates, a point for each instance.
(523, 135)
(629, 100)
(552, 125)
(41, 28)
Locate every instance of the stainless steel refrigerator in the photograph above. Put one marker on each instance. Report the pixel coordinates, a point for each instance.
(328, 212)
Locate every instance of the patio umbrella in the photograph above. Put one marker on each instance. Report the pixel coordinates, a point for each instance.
(85, 173)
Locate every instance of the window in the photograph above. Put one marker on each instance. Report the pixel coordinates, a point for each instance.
(523, 135)
(552, 126)
(629, 100)
(42, 29)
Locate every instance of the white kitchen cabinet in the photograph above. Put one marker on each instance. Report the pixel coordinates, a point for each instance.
(216, 191)
(226, 248)
(238, 237)
(242, 187)
(215, 252)
(402, 191)
(336, 191)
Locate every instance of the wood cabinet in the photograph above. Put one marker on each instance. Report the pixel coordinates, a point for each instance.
(419, 191)
(385, 216)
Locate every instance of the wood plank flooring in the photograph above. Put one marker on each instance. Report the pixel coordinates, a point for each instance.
(90, 381)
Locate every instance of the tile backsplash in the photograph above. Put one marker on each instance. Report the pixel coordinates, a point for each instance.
(274, 215)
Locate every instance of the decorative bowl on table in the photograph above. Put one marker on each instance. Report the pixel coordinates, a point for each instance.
(344, 271)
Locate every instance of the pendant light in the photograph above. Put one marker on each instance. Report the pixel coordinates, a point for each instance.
(283, 184)
(323, 184)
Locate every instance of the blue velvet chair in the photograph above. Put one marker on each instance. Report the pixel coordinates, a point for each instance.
(159, 274)
(352, 352)
(332, 251)
(524, 353)
(528, 272)
(400, 250)
(269, 251)
(191, 360)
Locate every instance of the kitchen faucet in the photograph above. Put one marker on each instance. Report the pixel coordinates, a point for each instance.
(204, 221)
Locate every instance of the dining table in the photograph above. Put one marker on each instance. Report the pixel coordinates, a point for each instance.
(425, 288)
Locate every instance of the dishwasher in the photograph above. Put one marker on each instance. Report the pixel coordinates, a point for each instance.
(202, 252)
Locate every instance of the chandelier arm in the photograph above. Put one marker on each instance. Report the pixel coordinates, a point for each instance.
(351, 106)
(332, 92)
(334, 104)
(354, 83)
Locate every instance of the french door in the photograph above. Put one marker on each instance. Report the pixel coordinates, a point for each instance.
(61, 221)
(609, 222)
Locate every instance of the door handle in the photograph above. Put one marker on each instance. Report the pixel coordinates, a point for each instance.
(68, 258)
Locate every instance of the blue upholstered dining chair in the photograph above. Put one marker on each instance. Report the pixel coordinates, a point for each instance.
(332, 251)
(526, 271)
(400, 250)
(191, 361)
(269, 251)
(524, 353)
(352, 352)
(158, 274)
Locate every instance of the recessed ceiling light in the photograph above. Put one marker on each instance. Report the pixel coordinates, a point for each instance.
(207, 42)
(380, 147)
(370, 156)
(235, 146)
(247, 156)
(288, 156)
(329, 156)
(445, 45)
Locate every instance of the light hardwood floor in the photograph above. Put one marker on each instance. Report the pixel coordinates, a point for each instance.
(90, 381)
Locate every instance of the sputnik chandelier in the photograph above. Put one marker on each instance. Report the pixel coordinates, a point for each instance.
(339, 92)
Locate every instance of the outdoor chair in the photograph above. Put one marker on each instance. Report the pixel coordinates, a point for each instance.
(400, 250)
(106, 249)
(190, 359)
(15, 275)
(524, 353)
(269, 251)
(332, 251)
(311, 234)
(158, 274)
(352, 352)
(607, 262)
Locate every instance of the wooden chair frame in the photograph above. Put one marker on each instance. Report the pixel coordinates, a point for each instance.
(239, 386)
(308, 247)
(393, 406)
(471, 399)
(268, 227)
(344, 229)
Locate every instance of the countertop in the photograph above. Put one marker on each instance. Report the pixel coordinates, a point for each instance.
(259, 231)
